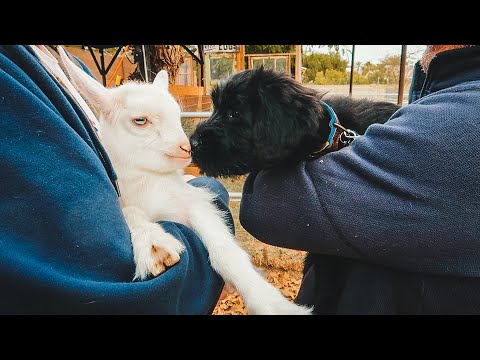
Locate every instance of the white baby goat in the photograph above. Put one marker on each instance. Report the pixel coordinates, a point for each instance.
(143, 136)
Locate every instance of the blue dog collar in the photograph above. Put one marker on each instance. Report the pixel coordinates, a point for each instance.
(333, 121)
(335, 139)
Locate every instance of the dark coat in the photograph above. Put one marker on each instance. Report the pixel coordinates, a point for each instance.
(393, 220)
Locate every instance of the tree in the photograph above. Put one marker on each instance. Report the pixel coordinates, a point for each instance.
(336, 77)
(367, 68)
(321, 62)
(387, 71)
(269, 49)
(320, 79)
(358, 66)
(342, 49)
(359, 79)
(162, 57)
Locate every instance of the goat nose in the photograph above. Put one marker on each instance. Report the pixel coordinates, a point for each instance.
(186, 147)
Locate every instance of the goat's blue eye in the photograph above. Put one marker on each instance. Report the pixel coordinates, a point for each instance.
(140, 121)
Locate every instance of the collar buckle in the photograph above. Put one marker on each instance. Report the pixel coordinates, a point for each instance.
(347, 136)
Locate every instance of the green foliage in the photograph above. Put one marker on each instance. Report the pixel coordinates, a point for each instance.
(359, 79)
(333, 69)
(321, 63)
(269, 49)
(342, 49)
(336, 77)
(385, 72)
(320, 79)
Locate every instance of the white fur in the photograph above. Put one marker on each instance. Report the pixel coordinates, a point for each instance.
(152, 188)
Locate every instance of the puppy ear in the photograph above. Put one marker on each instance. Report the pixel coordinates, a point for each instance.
(285, 110)
(161, 80)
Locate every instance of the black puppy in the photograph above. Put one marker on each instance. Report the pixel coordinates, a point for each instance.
(263, 118)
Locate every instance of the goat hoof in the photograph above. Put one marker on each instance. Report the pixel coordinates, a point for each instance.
(163, 252)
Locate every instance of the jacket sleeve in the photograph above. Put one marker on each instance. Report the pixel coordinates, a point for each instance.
(65, 245)
(405, 195)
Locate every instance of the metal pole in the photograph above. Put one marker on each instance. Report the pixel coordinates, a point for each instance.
(195, 114)
(99, 68)
(351, 71)
(195, 57)
(102, 71)
(145, 60)
(113, 59)
(401, 83)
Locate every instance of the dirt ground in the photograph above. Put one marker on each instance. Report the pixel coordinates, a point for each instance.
(282, 267)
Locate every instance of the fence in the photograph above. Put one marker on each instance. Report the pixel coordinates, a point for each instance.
(378, 92)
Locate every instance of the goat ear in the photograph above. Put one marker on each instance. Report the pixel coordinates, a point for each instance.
(161, 79)
(94, 92)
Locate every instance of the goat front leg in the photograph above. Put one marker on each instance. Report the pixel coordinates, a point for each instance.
(233, 264)
(153, 248)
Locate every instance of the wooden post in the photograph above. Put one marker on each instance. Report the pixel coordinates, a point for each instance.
(240, 58)
(298, 63)
(202, 66)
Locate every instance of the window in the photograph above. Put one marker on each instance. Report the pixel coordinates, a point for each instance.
(277, 63)
(184, 75)
(221, 68)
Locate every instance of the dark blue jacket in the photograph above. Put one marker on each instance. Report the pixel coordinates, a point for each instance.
(65, 247)
(393, 219)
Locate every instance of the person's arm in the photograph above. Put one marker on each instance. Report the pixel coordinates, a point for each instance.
(405, 195)
(65, 244)
(82, 65)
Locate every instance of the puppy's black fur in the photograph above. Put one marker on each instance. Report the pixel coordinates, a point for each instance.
(263, 118)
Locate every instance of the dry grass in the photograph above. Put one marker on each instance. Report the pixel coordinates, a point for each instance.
(282, 267)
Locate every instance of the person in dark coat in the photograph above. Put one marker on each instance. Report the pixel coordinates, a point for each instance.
(392, 222)
(65, 244)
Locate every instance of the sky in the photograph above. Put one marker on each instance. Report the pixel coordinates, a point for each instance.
(375, 53)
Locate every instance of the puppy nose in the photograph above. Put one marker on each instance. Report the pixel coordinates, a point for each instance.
(186, 147)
